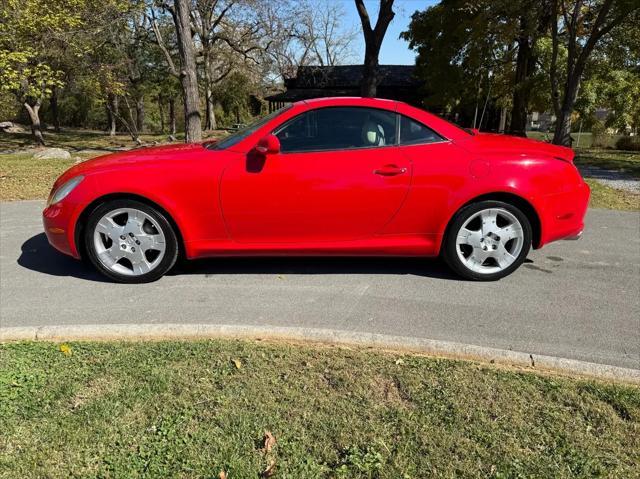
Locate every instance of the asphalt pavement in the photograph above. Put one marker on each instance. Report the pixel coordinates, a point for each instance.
(572, 299)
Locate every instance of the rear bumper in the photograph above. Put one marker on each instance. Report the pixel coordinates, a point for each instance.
(574, 237)
(562, 214)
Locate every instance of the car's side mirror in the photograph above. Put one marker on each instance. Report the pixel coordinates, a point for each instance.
(268, 145)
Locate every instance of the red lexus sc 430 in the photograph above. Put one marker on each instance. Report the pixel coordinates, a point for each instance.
(335, 176)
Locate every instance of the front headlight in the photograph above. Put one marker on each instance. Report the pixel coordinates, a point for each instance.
(62, 192)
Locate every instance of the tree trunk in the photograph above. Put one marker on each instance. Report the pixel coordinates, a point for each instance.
(112, 112)
(55, 112)
(562, 133)
(131, 124)
(188, 74)
(373, 41)
(526, 64)
(140, 113)
(522, 90)
(161, 112)
(503, 120)
(210, 120)
(34, 116)
(172, 118)
(210, 115)
(369, 86)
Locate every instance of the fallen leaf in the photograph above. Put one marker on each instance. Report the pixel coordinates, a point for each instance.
(269, 442)
(222, 475)
(65, 349)
(270, 470)
(237, 363)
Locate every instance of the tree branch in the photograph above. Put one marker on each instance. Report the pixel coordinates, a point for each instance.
(163, 48)
(364, 17)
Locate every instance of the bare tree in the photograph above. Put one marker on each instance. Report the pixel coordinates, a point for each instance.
(580, 25)
(301, 33)
(188, 75)
(206, 17)
(373, 41)
(228, 33)
(320, 27)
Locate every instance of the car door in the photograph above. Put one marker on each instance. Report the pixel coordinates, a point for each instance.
(339, 176)
(441, 170)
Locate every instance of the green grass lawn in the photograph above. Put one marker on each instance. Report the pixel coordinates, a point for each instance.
(75, 140)
(194, 409)
(22, 177)
(603, 196)
(583, 140)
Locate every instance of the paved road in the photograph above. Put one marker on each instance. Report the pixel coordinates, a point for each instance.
(578, 300)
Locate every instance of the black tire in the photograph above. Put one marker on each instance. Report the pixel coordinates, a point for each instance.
(171, 241)
(449, 248)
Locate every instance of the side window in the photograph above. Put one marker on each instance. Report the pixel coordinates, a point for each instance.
(412, 132)
(338, 128)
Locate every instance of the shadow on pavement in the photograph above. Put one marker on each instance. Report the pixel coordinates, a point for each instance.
(38, 255)
(431, 268)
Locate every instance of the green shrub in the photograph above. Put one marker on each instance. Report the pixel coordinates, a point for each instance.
(598, 134)
(631, 143)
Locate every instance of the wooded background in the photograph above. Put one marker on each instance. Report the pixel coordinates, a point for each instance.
(186, 65)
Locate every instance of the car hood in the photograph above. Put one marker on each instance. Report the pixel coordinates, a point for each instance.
(156, 154)
(505, 144)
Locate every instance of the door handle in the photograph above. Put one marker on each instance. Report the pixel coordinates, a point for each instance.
(390, 170)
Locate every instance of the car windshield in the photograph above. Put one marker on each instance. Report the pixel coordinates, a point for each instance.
(237, 136)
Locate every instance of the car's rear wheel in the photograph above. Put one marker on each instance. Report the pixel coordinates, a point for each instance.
(130, 241)
(487, 240)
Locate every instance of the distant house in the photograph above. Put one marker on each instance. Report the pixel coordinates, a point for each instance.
(540, 121)
(396, 83)
(545, 121)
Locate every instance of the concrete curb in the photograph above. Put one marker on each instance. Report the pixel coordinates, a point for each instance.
(348, 338)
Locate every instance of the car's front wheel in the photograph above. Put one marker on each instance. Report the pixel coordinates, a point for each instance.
(487, 240)
(130, 241)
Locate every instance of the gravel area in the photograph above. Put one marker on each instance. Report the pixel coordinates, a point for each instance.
(612, 178)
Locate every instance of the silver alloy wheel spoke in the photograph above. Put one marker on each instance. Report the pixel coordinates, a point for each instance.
(129, 241)
(108, 227)
(490, 240)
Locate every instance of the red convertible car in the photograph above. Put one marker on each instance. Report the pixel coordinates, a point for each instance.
(334, 176)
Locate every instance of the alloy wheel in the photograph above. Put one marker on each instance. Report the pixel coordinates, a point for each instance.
(489, 241)
(129, 241)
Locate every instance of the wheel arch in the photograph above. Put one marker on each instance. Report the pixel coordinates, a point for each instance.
(518, 201)
(84, 216)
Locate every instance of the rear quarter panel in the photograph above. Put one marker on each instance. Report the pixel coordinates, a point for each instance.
(447, 176)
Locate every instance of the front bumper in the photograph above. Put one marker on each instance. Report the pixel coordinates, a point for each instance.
(59, 226)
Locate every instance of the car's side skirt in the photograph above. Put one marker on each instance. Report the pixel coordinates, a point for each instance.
(388, 245)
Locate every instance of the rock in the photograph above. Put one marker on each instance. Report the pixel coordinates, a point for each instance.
(9, 127)
(52, 154)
